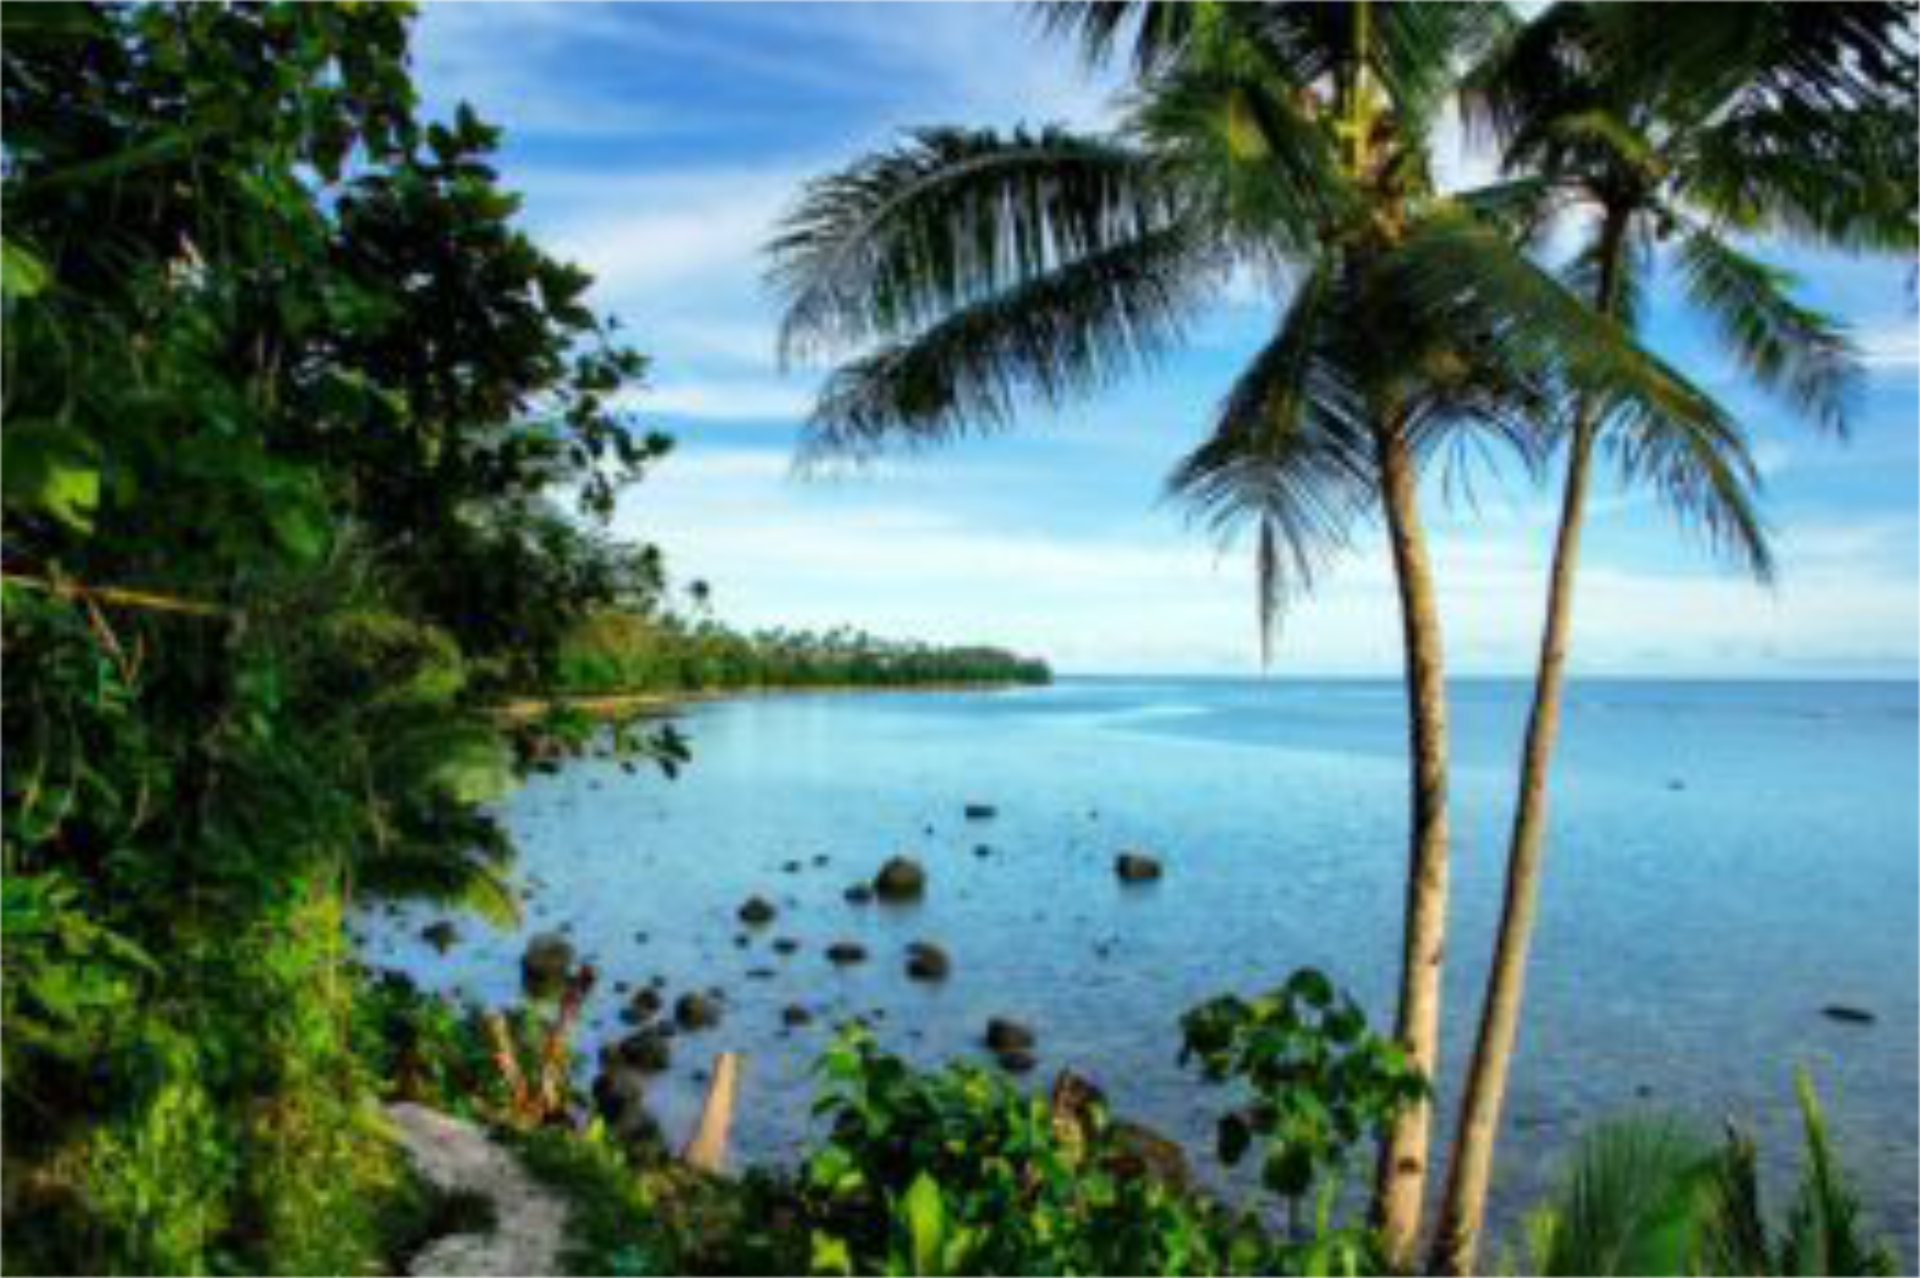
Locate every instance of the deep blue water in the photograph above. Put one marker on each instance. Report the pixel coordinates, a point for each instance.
(1726, 859)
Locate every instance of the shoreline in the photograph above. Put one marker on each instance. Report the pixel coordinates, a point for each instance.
(612, 704)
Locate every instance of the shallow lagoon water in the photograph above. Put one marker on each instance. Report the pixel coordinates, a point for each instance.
(1727, 859)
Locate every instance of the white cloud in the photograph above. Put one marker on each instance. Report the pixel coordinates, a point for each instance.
(735, 400)
(1893, 346)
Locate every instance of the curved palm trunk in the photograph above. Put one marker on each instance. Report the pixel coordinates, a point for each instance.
(1400, 1192)
(1463, 1212)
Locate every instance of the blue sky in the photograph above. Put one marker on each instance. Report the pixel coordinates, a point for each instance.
(657, 144)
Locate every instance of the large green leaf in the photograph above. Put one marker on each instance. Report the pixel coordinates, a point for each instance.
(51, 468)
(22, 273)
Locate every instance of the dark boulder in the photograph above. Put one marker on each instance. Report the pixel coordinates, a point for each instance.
(785, 945)
(790, 867)
(643, 1006)
(842, 953)
(794, 1015)
(927, 962)
(440, 934)
(1848, 1015)
(696, 1011)
(1141, 1151)
(1008, 1036)
(545, 964)
(647, 1051)
(1014, 1060)
(619, 1093)
(1136, 867)
(900, 879)
(981, 812)
(757, 912)
(858, 894)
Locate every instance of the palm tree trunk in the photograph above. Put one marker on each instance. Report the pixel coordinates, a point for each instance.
(1464, 1209)
(1400, 1192)
(1463, 1212)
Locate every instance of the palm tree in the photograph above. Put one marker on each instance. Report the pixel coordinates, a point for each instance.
(1690, 124)
(965, 271)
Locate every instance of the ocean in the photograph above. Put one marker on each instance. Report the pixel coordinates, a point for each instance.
(1726, 860)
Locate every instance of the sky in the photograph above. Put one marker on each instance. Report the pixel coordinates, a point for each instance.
(657, 145)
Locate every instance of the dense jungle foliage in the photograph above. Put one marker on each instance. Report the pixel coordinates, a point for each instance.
(286, 396)
(628, 652)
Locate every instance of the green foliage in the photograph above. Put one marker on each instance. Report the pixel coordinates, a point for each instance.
(616, 652)
(286, 393)
(958, 1171)
(1646, 1196)
(1320, 1087)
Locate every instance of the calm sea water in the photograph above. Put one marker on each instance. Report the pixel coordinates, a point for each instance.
(1726, 860)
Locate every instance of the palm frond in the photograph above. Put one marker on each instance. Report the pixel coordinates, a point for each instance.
(1289, 452)
(1461, 275)
(1063, 333)
(1628, 1206)
(950, 216)
(1152, 34)
(1824, 1233)
(1785, 346)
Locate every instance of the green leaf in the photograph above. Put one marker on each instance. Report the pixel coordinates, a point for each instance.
(926, 1213)
(51, 468)
(22, 273)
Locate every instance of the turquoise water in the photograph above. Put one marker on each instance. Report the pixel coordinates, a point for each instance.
(1726, 860)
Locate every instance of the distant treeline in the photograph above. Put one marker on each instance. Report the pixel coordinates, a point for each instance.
(627, 652)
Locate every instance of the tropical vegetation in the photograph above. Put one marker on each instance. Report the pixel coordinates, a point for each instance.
(626, 652)
(308, 457)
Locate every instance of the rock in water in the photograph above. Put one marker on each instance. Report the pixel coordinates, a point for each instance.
(696, 1012)
(648, 1051)
(785, 945)
(1848, 1015)
(757, 912)
(1004, 1035)
(927, 962)
(545, 964)
(440, 934)
(858, 894)
(981, 812)
(1136, 867)
(795, 1015)
(841, 953)
(1014, 1060)
(900, 879)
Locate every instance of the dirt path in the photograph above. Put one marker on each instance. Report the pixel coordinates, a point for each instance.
(458, 1157)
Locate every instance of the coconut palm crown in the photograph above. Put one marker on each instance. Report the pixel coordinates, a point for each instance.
(964, 273)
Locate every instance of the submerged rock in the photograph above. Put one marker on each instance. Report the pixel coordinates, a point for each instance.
(981, 812)
(785, 945)
(440, 934)
(1005, 1035)
(900, 879)
(1847, 1014)
(858, 894)
(545, 964)
(927, 962)
(643, 1006)
(794, 1015)
(647, 1051)
(842, 953)
(757, 912)
(696, 1012)
(1136, 867)
(1014, 1060)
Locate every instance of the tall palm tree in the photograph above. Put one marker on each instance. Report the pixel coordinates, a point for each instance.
(965, 271)
(1690, 124)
